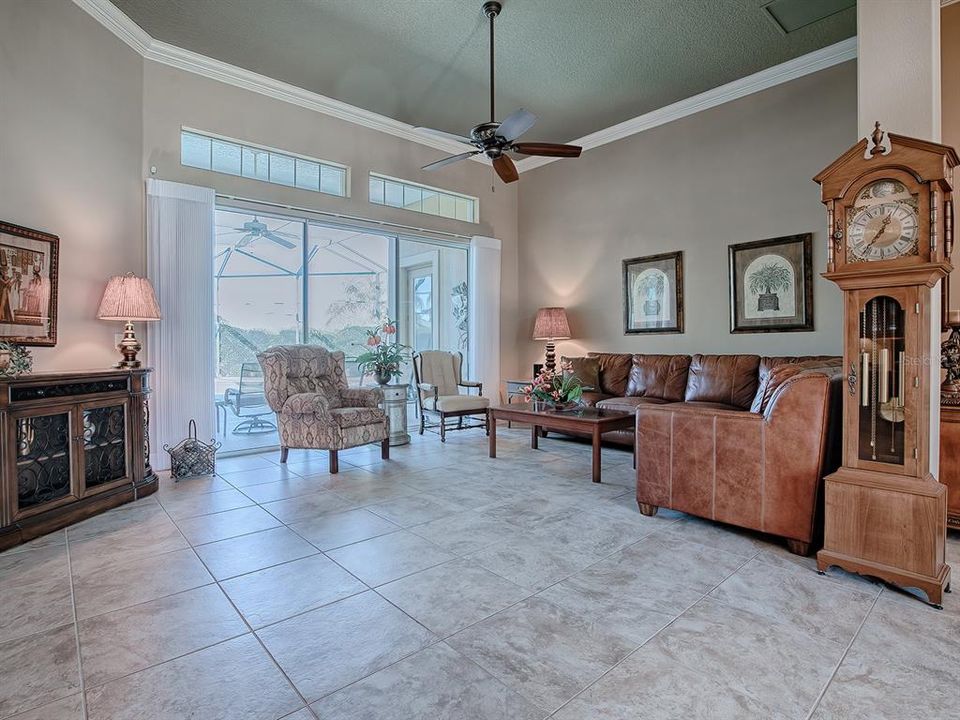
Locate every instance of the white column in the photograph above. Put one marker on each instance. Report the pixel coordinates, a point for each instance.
(898, 83)
(483, 313)
(898, 67)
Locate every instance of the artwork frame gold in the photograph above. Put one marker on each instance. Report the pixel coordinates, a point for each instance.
(657, 306)
(29, 271)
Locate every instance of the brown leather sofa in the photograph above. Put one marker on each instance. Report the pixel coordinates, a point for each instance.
(740, 439)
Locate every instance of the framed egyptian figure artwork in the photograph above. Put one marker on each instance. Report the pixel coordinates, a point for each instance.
(771, 285)
(653, 294)
(28, 285)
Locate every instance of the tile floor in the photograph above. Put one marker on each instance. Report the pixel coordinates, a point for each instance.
(445, 585)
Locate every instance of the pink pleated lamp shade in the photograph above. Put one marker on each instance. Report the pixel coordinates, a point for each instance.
(551, 324)
(128, 298)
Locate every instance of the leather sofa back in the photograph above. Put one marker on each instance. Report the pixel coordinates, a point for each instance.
(658, 376)
(614, 372)
(727, 379)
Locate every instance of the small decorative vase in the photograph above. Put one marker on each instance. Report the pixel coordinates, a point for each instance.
(383, 377)
(567, 405)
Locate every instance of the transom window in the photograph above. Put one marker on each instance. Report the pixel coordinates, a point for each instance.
(234, 157)
(424, 199)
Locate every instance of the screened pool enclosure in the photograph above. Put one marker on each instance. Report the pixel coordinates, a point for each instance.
(284, 280)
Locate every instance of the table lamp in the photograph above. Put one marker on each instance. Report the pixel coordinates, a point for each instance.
(551, 325)
(128, 298)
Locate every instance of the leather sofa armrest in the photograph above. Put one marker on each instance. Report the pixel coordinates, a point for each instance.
(361, 397)
(307, 404)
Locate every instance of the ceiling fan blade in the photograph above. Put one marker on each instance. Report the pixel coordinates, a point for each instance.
(246, 240)
(444, 134)
(283, 242)
(506, 169)
(516, 124)
(547, 149)
(449, 160)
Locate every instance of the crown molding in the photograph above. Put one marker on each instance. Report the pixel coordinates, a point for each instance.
(117, 22)
(785, 72)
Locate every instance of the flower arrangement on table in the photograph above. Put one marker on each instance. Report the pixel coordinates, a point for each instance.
(384, 359)
(561, 389)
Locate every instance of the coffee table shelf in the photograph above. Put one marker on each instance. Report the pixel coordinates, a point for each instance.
(592, 422)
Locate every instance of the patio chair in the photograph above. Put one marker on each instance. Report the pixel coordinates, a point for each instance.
(306, 385)
(438, 378)
(248, 402)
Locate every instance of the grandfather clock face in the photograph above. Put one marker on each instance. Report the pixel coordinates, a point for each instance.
(883, 223)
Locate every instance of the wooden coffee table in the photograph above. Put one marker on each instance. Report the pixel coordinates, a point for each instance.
(590, 421)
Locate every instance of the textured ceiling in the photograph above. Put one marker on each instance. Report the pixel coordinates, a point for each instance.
(580, 66)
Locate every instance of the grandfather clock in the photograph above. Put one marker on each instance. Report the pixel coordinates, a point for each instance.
(890, 217)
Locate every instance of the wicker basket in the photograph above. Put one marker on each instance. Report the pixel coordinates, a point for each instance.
(191, 457)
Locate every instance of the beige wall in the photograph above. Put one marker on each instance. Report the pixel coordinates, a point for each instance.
(85, 118)
(738, 172)
(70, 146)
(950, 105)
(173, 98)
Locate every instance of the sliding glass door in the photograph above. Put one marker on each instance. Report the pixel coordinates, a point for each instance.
(288, 280)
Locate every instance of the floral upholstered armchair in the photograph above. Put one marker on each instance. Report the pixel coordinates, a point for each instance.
(306, 386)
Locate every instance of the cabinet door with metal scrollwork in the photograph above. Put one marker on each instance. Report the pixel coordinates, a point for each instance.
(43, 461)
(105, 452)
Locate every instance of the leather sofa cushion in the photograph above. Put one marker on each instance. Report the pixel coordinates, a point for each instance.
(585, 368)
(659, 376)
(614, 371)
(707, 405)
(770, 381)
(591, 397)
(629, 404)
(768, 363)
(775, 370)
(727, 379)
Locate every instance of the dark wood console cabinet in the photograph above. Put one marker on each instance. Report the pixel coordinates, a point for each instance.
(950, 461)
(72, 444)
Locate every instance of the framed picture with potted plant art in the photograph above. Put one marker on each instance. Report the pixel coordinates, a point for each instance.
(28, 285)
(771, 285)
(653, 294)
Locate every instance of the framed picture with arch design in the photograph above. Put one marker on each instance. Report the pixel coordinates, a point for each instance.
(771, 285)
(653, 294)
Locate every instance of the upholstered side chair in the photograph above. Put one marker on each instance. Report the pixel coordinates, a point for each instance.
(438, 376)
(306, 386)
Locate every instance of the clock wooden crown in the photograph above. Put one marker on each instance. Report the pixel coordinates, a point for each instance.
(889, 211)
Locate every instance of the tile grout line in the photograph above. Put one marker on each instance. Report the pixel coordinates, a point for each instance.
(243, 619)
(843, 656)
(644, 643)
(76, 628)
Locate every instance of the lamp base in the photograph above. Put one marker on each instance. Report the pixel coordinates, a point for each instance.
(129, 347)
(550, 357)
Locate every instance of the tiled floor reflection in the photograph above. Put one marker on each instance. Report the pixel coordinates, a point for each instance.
(442, 585)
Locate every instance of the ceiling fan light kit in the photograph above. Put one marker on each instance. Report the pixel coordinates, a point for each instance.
(495, 139)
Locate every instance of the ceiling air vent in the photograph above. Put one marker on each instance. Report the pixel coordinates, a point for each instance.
(790, 15)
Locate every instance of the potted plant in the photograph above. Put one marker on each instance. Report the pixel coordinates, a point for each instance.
(383, 359)
(561, 390)
(766, 282)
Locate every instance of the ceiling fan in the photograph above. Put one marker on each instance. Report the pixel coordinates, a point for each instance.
(494, 139)
(254, 229)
